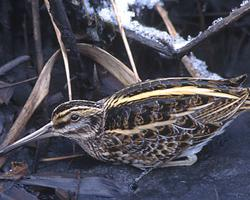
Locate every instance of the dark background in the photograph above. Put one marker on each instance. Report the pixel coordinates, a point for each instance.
(222, 171)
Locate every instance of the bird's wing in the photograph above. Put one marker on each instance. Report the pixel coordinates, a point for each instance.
(170, 116)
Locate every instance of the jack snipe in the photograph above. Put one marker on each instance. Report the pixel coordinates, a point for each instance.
(150, 124)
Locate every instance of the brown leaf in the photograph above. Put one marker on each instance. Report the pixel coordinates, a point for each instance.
(38, 93)
(17, 171)
(109, 62)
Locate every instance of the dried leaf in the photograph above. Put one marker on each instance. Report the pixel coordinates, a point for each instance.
(41, 88)
(17, 171)
(109, 62)
(38, 93)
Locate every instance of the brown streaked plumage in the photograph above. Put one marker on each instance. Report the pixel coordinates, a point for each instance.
(150, 124)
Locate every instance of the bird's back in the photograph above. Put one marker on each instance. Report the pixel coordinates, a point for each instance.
(160, 120)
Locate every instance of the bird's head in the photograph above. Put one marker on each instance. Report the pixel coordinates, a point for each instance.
(78, 120)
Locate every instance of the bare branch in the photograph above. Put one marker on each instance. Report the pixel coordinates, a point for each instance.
(216, 27)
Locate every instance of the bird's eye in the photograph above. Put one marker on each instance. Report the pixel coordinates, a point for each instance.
(74, 117)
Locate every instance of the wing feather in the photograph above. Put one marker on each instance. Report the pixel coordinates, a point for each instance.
(163, 126)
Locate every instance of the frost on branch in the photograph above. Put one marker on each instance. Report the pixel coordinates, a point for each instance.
(201, 68)
(157, 39)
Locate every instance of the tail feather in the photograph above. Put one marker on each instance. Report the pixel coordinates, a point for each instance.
(246, 105)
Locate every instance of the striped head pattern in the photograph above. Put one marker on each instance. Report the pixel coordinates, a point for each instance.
(77, 119)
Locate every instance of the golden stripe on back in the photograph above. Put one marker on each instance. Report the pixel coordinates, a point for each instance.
(183, 90)
(139, 129)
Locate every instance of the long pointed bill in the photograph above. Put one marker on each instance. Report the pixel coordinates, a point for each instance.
(44, 132)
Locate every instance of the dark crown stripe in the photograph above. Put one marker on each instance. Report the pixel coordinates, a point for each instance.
(74, 103)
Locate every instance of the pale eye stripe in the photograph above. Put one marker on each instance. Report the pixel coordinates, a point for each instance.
(139, 129)
(75, 108)
(84, 110)
(185, 90)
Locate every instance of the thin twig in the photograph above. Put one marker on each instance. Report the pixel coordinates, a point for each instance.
(61, 158)
(63, 49)
(37, 34)
(189, 66)
(171, 29)
(164, 15)
(216, 27)
(18, 83)
(78, 176)
(124, 38)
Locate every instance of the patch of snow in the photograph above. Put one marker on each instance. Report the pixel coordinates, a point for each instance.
(123, 8)
(75, 2)
(107, 14)
(179, 42)
(150, 33)
(126, 16)
(88, 7)
(244, 3)
(233, 9)
(217, 20)
(199, 33)
(201, 67)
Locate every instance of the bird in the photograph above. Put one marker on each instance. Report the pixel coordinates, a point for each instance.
(152, 124)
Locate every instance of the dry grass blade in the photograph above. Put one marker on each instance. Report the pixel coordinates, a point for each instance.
(189, 66)
(59, 158)
(38, 93)
(109, 62)
(63, 49)
(7, 90)
(164, 15)
(8, 85)
(124, 38)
